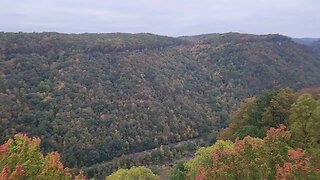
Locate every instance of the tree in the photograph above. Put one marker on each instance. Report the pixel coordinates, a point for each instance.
(278, 110)
(179, 172)
(212, 137)
(134, 173)
(256, 115)
(238, 118)
(255, 158)
(203, 157)
(299, 166)
(20, 158)
(305, 122)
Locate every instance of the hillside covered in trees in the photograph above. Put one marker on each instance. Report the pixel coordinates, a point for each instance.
(96, 97)
(289, 146)
(274, 136)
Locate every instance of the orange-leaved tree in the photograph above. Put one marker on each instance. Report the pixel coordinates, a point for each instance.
(255, 158)
(21, 158)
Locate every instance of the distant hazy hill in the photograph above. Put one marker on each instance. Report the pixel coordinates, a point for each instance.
(93, 97)
(305, 41)
(314, 43)
(316, 46)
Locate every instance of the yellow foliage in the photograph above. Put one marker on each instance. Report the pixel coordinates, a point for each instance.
(134, 173)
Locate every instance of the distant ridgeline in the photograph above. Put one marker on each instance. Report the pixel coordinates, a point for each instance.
(314, 43)
(94, 97)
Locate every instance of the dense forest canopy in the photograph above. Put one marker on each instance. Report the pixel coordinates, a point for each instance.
(273, 136)
(94, 97)
(290, 152)
(316, 46)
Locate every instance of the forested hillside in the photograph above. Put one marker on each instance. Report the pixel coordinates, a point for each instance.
(289, 151)
(316, 46)
(305, 41)
(273, 136)
(314, 43)
(94, 97)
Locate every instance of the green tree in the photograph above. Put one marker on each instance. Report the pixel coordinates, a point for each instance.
(203, 157)
(134, 173)
(178, 172)
(256, 115)
(278, 110)
(212, 137)
(20, 158)
(305, 122)
(238, 118)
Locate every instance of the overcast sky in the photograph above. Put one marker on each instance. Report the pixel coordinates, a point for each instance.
(295, 18)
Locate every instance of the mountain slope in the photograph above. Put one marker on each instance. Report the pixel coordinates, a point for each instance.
(316, 46)
(94, 97)
(305, 41)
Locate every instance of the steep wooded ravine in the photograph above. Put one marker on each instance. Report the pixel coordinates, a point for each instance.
(93, 97)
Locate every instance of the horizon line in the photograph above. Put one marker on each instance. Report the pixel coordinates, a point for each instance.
(185, 35)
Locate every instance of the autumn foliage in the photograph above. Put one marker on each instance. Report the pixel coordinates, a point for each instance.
(299, 166)
(255, 158)
(20, 158)
(94, 97)
(141, 173)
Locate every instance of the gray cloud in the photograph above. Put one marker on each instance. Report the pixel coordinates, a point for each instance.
(297, 18)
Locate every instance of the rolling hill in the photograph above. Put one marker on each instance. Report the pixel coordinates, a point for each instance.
(94, 97)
